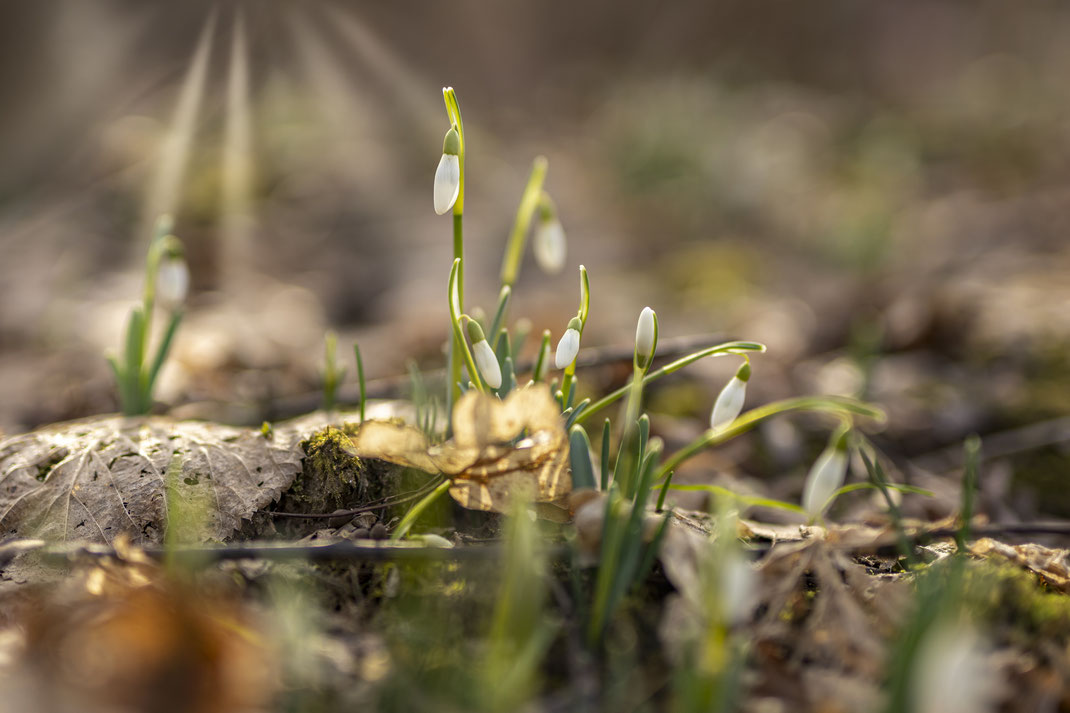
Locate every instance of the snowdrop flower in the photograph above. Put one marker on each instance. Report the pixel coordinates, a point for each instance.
(737, 585)
(172, 281)
(448, 175)
(646, 338)
(549, 244)
(486, 361)
(951, 674)
(569, 346)
(826, 476)
(730, 401)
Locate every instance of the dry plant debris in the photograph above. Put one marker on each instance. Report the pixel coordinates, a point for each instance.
(485, 461)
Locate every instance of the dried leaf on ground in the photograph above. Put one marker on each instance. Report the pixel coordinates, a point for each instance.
(486, 466)
(1051, 565)
(95, 479)
(118, 635)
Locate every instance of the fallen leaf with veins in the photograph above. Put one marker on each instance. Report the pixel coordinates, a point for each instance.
(95, 479)
(484, 460)
(1050, 565)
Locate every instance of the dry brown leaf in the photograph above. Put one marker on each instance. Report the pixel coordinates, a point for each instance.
(95, 479)
(120, 636)
(486, 468)
(1051, 565)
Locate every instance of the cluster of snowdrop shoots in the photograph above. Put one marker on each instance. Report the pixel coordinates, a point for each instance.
(550, 249)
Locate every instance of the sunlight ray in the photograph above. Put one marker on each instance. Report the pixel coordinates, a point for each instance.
(418, 95)
(236, 220)
(173, 157)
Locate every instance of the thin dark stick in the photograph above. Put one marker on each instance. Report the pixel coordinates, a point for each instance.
(384, 503)
(363, 551)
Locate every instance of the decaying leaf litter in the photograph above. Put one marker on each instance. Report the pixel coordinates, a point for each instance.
(823, 613)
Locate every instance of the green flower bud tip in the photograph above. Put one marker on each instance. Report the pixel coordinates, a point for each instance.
(743, 373)
(475, 332)
(451, 145)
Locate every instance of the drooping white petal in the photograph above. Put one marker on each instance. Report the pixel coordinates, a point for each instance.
(172, 282)
(447, 182)
(952, 672)
(550, 246)
(825, 477)
(487, 363)
(737, 582)
(644, 334)
(729, 403)
(567, 348)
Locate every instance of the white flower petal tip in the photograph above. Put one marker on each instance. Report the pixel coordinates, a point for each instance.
(729, 403)
(737, 588)
(172, 282)
(447, 182)
(644, 334)
(550, 246)
(487, 364)
(567, 348)
(825, 478)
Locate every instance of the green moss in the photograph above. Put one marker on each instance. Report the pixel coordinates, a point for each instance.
(332, 476)
(1015, 601)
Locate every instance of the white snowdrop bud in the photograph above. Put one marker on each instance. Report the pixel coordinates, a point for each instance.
(951, 673)
(549, 245)
(730, 401)
(172, 282)
(448, 175)
(646, 337)
(826, 476)
(737, 584)
(569, 346)
(486, 361)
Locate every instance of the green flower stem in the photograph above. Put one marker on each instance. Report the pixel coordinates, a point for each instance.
(830, 404)
(718, 350)
(360, 380)
(529, 201)
(458, 338)
(453, 390)
(585, 308)
(416, 510)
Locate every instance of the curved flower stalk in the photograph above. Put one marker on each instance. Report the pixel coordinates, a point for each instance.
(729, 402)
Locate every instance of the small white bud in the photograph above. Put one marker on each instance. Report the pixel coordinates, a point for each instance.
(567, 348)
(737, 580)
(645, 334)
(952, 674)
(487, 363)
(729, 403)
(550, 246)
(826, 476)
(447, 182)
(172, 282)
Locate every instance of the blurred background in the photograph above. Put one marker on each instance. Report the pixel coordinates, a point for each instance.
(878, 191)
